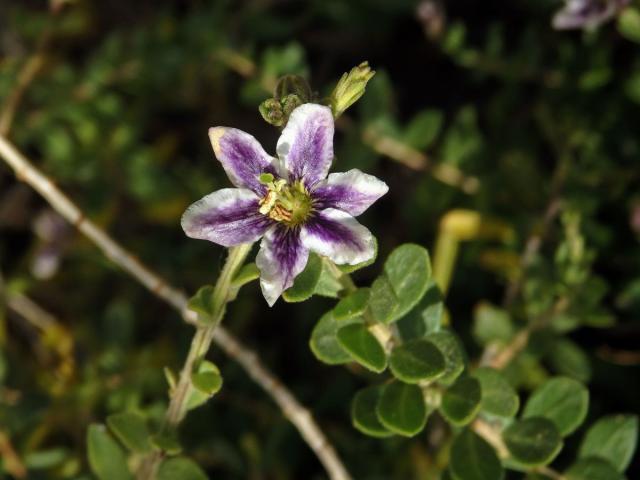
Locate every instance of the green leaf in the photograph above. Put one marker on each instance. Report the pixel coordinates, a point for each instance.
(408, 269)
(167, 441)
(423, 129)
(305, 284)
(629, 24)
(328, 284)
(569, 359)
(352, 305)
(202, 303)
(363, 347)
(106, 458)
(498, 396)
(131, 429)
(491, 324)
(383, 302)
(449, 346)
(324, 342)
(592, 468)
(363, 412)
(472, 458)
(417, 360)
(402, 409)
(180, 468)
(562, 400)
(426, 317)
(533, 441)
(612, 438)
(207, 381)
(248, 273)
(461, 401)
(358, 266)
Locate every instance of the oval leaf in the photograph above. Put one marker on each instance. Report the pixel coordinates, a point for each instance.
(562, 400)
(206, 381)
(180, 468)
(401, 409)
(131, 429)
(472, 458)
(383, 302)
(324, 343)
(417, 360)
(612, 438)
(592, 468)
(498, 396)
(408, 269)
(450, 348)
(461, 401)
(363, 412)
(106, 458)
(363, 347)
(305, 284)
(533, 441)
(352, 305)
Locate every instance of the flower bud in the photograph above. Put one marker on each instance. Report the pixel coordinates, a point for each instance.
(350, 88)
(271, 111)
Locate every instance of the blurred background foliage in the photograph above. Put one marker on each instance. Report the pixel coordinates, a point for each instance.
(479, 106)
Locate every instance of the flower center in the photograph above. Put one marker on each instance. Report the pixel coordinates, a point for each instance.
(287, 203)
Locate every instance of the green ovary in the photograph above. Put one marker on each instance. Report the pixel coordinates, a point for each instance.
(287, 203)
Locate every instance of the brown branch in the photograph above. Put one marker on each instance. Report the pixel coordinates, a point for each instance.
(12, 462)
(292, 409)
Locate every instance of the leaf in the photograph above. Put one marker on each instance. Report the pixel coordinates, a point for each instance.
(131, 429)
(408, 270)
(207, 381)
(363, 412)
(167, 441)
(423, 129)
(472, 458)
(533, 441)
(305, 284)
(426, 317)
(363, 347)
(324, 343)
(328, 285)
(498, 396)
(202, 303)
(562, 400)
(569, 359)
(491, 324)
(449, 346)
(180, 468)
(592, 468)
(402, 409)
(248, 273)
(352, 305)
(383, 302)
(629, 24)
(461, 401)
(417, 360)
(106, 458)
(612, 438)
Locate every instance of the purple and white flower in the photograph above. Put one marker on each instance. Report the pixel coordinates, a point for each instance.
(587, 14)
(288, 201)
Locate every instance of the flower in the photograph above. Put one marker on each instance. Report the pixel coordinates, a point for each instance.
(289, 201)
(587, 13)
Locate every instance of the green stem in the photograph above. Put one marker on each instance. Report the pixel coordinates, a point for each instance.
(199, 347)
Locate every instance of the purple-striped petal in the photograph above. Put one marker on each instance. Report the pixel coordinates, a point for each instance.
(280, 259)
(227, 217)
(352, 192)
(337, 235)
(587, 13)
(306, 143)
(243, 158)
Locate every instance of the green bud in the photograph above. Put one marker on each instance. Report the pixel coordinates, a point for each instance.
(290, 103)
(271, 111)
(293, 85)
(350, 88)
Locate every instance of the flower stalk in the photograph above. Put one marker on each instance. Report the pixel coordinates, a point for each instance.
(199, 347)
